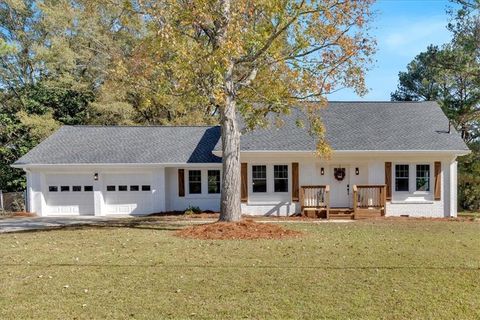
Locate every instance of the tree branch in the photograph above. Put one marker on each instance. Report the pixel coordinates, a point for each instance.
(248, 79)
(270, 40)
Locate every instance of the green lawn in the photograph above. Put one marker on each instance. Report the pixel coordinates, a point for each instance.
(379, 269)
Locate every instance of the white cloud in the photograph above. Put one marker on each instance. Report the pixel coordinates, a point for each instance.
(409, 37)
(402, 30)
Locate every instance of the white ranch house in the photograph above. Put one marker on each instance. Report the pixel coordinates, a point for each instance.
(389, 158)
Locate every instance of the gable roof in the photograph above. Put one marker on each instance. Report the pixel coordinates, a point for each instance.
(122, 144)
(351, 126)
(362, 126)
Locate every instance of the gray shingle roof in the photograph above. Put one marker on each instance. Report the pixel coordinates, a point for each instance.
(378, 126)
(96, 144)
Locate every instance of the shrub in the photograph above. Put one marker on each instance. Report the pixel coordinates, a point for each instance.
(192, 210)
(469, 180)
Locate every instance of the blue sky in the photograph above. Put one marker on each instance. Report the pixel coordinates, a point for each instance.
(403, 29)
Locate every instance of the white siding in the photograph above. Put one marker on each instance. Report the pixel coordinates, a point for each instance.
(279, 209)
(163, 195)
(376, 172)
(310, 168)
(204, 201)
(35, 195)
(453, 188)
(422, 204)
(159, 190)
(98, 195)
(371, 171)
(416, 209)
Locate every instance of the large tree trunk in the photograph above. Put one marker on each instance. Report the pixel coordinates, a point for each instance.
(230, 209)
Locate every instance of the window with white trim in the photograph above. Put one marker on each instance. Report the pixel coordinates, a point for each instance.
(259, 178)
(195, 181)
(213, 181)
(280, 178)
(401, 177)
(423, 177)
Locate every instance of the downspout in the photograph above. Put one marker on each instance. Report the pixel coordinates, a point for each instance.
(27, 199)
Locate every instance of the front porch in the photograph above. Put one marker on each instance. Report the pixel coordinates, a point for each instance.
(345, 188)
(367, 201)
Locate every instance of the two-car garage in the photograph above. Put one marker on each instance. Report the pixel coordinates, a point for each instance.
(73, 194)
(96, 170)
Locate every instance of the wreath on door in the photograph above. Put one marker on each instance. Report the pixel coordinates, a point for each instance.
(339, 174)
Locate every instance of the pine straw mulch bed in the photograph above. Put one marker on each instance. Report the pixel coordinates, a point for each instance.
(182, 215)
(243, 230)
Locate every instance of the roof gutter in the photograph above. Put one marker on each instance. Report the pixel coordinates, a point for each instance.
(137, 165)
(218, 153)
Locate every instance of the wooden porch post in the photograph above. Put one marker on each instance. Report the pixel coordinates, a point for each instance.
(327, 198)
(355, 198)
(301, 201)
(383, 190)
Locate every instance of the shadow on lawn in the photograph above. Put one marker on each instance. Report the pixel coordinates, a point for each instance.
(137, 224)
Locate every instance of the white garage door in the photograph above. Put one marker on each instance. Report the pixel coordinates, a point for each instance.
(69, 194)
(128, 194)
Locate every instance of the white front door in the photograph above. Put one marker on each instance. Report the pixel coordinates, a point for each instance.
(340, 189)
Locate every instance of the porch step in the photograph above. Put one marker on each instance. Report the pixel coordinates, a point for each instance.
(341, 211)
(341, 214)
(367, 214)
(315, 213)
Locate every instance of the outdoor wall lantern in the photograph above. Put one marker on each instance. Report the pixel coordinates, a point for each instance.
(95, 176)
(357, 171)
(322, 171)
